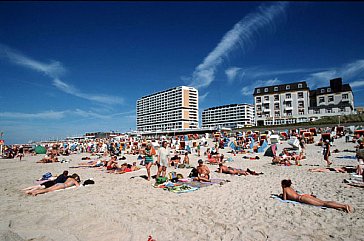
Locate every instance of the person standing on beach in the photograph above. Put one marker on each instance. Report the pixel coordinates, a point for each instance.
(148, 159)
(327, 152)
(163, 159)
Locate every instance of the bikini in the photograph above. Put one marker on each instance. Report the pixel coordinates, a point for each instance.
(299, 199)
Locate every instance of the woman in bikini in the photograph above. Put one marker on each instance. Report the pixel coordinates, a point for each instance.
(74, 180)
(290, 194)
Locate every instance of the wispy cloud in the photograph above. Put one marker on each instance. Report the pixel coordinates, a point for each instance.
(54, 115)
(233, 73)
(248, 90)
(259, 72)
(347, 72)
(201, 98)
(242, 35)
(357, 83)
(54, 70)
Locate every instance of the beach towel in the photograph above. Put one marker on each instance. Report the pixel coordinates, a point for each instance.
(182, 189)
(198, 184)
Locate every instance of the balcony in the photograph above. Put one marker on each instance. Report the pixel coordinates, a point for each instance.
(288, 107)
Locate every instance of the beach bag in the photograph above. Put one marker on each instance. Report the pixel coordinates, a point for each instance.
(88, 182)
(179, 176)
(161, 180)
(194, 173)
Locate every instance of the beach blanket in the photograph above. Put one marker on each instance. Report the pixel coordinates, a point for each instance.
(205, 184)
(182, 189)
(347, 157)
(276, 197)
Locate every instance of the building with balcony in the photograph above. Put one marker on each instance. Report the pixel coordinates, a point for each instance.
(172, 109)
(281, 104)
(336, 99)
(228, 116)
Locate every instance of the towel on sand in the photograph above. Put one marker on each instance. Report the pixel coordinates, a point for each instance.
(276, 197)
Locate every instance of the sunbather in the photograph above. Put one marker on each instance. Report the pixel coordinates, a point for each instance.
(48, 159)
(290, 194)
(235, 171)
(60, 179)
(73, 180)
(332, 169)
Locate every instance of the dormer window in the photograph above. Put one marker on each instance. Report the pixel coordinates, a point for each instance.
(328, 89)
(288, 87)
(258, 91)
(276, 88)
(266, 90)
(322, 91)
(299, 86)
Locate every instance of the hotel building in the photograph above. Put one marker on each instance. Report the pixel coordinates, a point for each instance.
(172, 109)
(336, 99)
(229, 116)
(281, 104)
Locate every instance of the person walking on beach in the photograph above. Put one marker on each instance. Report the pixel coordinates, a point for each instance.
(148, 158)
(327, 152)
(290, 194)
(163, 159)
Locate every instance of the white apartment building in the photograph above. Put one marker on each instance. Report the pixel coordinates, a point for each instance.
(172, 109)
(230, 116)
(281, 104)
(336, 99)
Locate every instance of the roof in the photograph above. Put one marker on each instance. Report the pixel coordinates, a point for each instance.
(225, 106)
(328, 90)
(280, 88)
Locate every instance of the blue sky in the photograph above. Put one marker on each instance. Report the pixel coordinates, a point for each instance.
(68, 68)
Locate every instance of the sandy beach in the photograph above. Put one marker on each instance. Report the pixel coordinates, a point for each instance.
(118, 207)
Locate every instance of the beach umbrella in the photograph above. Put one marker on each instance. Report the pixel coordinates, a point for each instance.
(40, 150)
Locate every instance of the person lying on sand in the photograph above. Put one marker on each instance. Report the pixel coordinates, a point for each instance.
(290, 194)
(60, 179)
(73, 180)
(333, 169)
(49, 159)
(235, 171)
(99, 163)
(203, 172)
(126, 168)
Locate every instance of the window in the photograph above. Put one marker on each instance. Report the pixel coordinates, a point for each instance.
(289, 104)
(301, 104)
(300, 94)
(266, 97)
(331, 98)
(266, 90)
(289, 113)
(301, 113)
(276, 88)
(276, 106)
(276, 114)
(345, 96)
(342, 109)
(288, 87)
(328, 89)
(288, 96)
(276, 97)
(322, 100)
(322, 90)
(258, 91)
(328, 111)
(299, 86)
(259, 107)
(258, 99)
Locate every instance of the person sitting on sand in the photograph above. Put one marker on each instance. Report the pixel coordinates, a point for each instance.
(290, 194)
(112, 164)
(73, 180)
(203, 172)
(235, 171)
(60, 179)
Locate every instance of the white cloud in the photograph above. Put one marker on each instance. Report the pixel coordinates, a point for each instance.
(347, 72)
(41, 115)
(232, 73)
(243, 35)
(357, 83)
(54, 70)
(248, 90)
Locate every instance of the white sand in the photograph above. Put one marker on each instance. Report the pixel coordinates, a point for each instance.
(120, 208)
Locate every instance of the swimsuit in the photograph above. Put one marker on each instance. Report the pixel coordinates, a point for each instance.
(299, 199)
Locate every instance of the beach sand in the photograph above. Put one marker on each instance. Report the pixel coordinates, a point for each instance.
(118, 207)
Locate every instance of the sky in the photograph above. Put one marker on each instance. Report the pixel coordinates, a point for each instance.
(67, 68)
